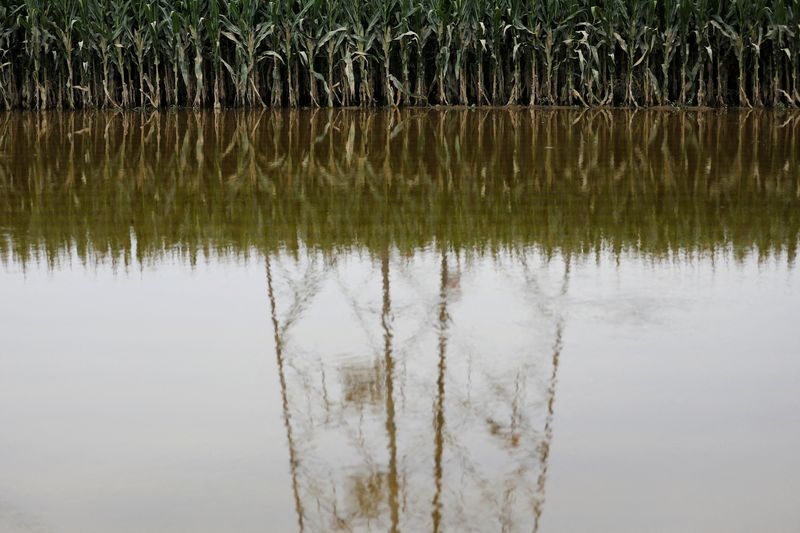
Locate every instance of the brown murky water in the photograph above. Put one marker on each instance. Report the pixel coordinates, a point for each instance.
(408, 321)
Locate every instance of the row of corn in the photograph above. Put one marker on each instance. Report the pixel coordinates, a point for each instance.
(222, 53)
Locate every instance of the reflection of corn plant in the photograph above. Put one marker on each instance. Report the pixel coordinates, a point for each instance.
(405, 162)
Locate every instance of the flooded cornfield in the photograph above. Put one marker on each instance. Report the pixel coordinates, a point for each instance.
(400, 320)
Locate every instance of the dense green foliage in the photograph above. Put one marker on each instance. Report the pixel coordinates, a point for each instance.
(155, 53)
(135, 186)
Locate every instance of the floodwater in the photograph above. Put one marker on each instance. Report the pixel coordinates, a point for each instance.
(499, 320)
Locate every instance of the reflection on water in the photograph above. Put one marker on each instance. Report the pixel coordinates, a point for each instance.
(418, 392)
(132, 186)
(425, 274)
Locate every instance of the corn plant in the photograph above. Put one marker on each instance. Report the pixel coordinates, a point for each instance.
(243, 30)
(8, 28)
(220, 53)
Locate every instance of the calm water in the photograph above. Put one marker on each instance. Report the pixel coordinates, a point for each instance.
(455, 321)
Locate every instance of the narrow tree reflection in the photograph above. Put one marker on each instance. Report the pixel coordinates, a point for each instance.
(438, 421)
(391, 427)
(544, 446)
(284, 398)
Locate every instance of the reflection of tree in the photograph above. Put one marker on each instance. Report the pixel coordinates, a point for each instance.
(391, 428)
(544, 446)
(367, 491)
(364, 489)
(364, 384)
(293, 461)
(438, 420)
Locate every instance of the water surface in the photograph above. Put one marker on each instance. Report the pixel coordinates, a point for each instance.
(399, 321)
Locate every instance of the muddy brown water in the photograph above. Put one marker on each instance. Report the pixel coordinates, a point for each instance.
(417, 320)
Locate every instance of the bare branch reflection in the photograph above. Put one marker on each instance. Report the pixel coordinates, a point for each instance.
(361, 461)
